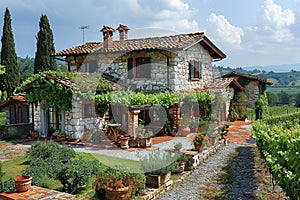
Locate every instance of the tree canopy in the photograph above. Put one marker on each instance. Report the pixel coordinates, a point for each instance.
(9, 80)
(45, 47)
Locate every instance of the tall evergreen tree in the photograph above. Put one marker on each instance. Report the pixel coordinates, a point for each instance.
(45, 47)
(9, 80)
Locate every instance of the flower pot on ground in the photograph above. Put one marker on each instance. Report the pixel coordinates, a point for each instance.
(181, 165)
(118, 183)
(34, 134)
(133, 142)
(22, 183)
(178, 146)
(124, 142)
(123, 193)
(198, 141)
(144, 142)
(157, 167)
(60, 136)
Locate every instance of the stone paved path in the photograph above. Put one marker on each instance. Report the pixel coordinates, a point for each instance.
(203, 182)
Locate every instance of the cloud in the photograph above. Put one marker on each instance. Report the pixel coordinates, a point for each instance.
(277, 21)
(224, 31)
(175, 15)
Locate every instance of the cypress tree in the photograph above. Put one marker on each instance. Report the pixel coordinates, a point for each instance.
(45, 47)
(9, 80)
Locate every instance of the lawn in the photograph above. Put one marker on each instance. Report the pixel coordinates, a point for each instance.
(16, 165)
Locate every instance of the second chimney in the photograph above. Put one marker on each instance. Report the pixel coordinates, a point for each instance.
(123, 32)
(107, 36)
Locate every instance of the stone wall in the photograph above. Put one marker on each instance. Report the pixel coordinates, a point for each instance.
(252, 92)
(76, 125)
(179, 77)
(174, 76)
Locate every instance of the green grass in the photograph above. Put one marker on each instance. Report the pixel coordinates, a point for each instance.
(131, 165)
(14, 167)
(2, 118)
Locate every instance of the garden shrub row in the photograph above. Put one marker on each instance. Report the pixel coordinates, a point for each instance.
(278, 139)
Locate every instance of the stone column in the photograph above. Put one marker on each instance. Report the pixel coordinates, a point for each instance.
(175, 112)
(133, 121)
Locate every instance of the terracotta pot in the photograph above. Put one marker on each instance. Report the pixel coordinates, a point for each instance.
(22, 183)
(181, 167)
(197, 147)
(124, 142)
(34, 134)
(120, 194)
(145, 142)
(133, 143)
(61, 137)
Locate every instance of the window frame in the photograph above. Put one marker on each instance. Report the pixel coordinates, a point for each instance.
(91, 110)
(139, 67)
(19, 113)
(195, 69)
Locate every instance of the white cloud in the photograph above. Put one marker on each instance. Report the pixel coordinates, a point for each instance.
(224, 31)
(174, 15)
(277, 21)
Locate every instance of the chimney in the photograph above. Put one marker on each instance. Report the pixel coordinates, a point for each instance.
(123, 32)
(107, 36)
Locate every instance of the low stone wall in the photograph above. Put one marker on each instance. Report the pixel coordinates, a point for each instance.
(15, 130)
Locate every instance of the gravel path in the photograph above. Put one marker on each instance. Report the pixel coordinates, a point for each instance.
(205, 175)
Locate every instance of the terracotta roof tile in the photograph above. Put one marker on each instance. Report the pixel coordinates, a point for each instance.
(248, 76)
(223, 83)
(173, 42)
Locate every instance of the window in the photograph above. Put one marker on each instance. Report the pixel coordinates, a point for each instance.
(139, 67)
(88, 110)
(19, 113)
(54, 119)
(195, 70)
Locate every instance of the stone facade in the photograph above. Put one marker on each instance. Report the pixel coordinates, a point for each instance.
(169, 69)
(252, 92)
(73, 123)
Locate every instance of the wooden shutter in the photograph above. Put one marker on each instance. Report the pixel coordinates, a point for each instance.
(191, 70)
(130, 68)
(200, 69)
(148, 68)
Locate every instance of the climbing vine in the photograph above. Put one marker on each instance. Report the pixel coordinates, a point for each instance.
(262, 102)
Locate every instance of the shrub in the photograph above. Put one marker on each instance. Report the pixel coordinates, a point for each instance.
(8, 186)
(76, 173)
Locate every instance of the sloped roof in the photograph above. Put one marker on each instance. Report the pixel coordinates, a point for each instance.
(14, 98)
(223, 83)
(248, 76)
(172, 42)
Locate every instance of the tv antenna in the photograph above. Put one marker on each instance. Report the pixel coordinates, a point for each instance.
(83, 28)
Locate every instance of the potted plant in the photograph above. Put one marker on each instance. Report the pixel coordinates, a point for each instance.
(60, 136)
(117, 183)
(34, 134)
(157, 166)
(124, 141)
(198, 141)
(178, 146)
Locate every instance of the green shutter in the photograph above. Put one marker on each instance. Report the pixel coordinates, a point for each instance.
(130, 68)
(191, 70)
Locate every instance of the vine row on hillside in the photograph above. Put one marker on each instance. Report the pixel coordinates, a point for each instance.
(278, 139)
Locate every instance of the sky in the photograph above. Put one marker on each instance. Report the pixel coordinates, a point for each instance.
(256, 32)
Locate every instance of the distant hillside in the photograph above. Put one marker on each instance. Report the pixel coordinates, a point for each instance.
(280, 79)
(275, 68)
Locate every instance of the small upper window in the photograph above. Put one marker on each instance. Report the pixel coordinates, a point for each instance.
(195, 69)
(88, 110)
